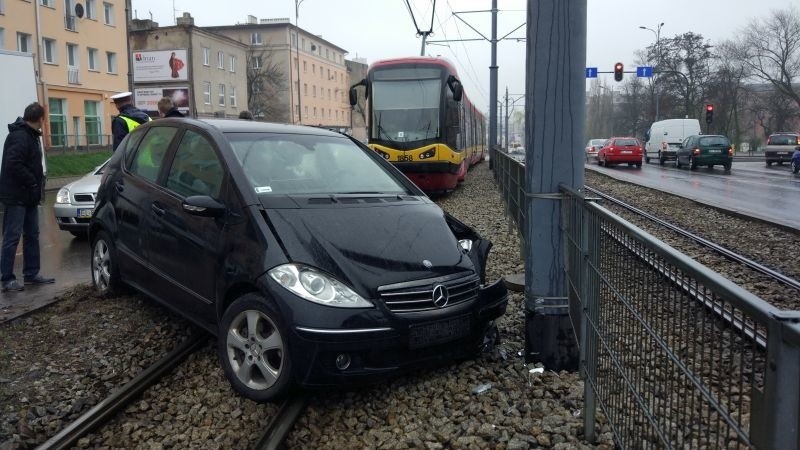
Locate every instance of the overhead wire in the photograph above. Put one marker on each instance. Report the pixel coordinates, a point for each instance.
(469, 60)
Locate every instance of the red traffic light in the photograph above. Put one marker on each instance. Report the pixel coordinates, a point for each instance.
(709, 107)
(709, 113)
(618, 71)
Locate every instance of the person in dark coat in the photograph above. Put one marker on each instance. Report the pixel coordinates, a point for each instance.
(166, 108)
(21, 182)
(246, 115)
(128, 119)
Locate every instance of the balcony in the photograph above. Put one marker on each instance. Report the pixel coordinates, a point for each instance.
(71, 23)
(73, 75)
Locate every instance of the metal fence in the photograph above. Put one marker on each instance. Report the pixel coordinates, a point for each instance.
(673, 355)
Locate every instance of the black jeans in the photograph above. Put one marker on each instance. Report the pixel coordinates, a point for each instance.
(20, 220)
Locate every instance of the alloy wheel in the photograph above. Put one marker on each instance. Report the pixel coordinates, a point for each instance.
(101, 265)
(255, 349)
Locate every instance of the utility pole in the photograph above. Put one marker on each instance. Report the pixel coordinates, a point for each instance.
(554, 131)
(493, 83)
(506, 131)
(297, 61)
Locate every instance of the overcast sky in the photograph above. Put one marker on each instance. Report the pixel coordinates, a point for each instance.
(377, 29)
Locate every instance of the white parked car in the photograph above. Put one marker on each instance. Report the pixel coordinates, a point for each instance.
(74, 204)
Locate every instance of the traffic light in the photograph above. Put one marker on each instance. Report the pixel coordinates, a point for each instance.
(618, 71)
(709, 113)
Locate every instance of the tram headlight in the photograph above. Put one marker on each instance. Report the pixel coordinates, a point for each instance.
(383, 154)
(427, 154)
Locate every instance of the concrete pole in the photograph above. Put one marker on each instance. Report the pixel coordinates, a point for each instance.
(506, 130)
(554, 131)
(493, 83)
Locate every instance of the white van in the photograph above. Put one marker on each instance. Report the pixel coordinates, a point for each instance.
(665, 137)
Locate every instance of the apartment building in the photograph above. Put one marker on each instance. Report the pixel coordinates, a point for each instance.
(211, 81)
(314, 87)
(81, 61)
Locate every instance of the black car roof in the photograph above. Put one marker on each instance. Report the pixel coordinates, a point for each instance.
(251, 126)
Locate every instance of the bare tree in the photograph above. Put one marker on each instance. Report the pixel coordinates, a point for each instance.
(688, 54)
(266, 86)
(770, 49)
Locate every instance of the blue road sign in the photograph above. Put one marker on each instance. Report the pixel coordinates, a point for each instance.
(591, 72)
(644, 71)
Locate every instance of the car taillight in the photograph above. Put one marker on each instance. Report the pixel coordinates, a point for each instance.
(730, 151)
(696, 151)
(769, 141)
(612, 149)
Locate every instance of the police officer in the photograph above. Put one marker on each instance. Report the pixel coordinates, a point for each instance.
(129, 117)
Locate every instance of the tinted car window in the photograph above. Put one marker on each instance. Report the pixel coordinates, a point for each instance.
(714, 140)
(129, 145)
(626, 142)
(148, 158)
(196, 169)
(301, 164)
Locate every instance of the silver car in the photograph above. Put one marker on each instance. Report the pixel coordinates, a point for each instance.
(75, 203)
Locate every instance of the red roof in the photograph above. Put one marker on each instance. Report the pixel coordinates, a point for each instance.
(428, 60)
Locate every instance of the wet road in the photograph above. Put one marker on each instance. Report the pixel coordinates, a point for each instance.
(63, 256)
(751, 188)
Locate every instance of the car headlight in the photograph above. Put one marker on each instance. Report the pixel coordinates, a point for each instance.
(465, 244)
(63, 195)
(317, 287)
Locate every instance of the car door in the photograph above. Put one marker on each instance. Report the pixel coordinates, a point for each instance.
(683, 151)
(185, 250)
(133, 195)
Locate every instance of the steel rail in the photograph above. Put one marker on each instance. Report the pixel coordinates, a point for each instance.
(791, 282)
(105, 410)
(282, 422)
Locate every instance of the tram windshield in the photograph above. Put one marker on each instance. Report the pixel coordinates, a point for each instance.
(405, 104)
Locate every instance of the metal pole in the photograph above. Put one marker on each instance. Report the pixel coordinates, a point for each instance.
(297, 63)
(554, 130)
(424, 38)
(658, 63)
(493, 81)
(506, 133)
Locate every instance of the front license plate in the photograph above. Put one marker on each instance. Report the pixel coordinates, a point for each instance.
(715, 151)
(783, 153)
(85, 212)
(432, 333)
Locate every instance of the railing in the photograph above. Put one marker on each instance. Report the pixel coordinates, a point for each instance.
(71, 23)
(509, 173)
(672, 353)
(73, 75)
(81, 142)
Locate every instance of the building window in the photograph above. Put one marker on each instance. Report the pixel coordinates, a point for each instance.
(2, 7)
(329, 94)
(207, 92)
(232, 63)
(233, 96)
(2, 35)
(111, 60)
(314, 68)
(58, 122)
(314, 90)
(294, 41)
(92, 122)
(49, 50)
(108, 13)
(72, 55)
(315, 112)
(329, 113)
(206, 56)
(255, 38)
(305, 66)
(91, 12)
(322, 111)
(305, 88)
(24, 43)
(306, 108)
(303, 46)
(327, 55)
(92, 56)
(220, 60)
(329, 74)
(48, 3)
(221, 95)
(256, 62)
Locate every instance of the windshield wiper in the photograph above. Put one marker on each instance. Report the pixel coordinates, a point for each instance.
(384, 133)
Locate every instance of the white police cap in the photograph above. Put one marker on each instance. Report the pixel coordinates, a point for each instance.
(121, 96)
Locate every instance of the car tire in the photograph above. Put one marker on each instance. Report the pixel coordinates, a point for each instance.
(678, 162)
(661, 160)
(599, 162)
(253, 349)
(647, 159)
(727, 166)
(692, 164)
(638, 165)
(769, 163)
(105, 273)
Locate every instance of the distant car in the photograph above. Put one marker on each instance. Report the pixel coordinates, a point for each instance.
(780, 148)
(796, 161)
(620, 150)
(705, 150)
(75, 203)
(592, 147)
(312, 259)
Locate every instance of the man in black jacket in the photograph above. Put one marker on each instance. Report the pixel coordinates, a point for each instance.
(21, 180)
(166, 108)
(128, 119)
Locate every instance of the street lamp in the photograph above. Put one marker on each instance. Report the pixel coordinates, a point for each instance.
(658, 57)
(297, 60)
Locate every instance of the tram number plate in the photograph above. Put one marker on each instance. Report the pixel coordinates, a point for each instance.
(432, 333)
(405, 158)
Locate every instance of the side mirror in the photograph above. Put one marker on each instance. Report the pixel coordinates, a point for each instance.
(353, 96)
(458, 91)
(203, 205)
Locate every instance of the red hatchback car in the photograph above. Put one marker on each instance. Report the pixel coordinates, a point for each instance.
(618, 150)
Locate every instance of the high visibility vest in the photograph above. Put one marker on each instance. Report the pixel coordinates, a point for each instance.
(131, 124)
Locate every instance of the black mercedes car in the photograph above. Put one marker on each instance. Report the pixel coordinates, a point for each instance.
(312, 259)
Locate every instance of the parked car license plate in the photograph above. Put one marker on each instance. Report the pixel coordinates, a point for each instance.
(85, 212)
(627, 152)
(431, 333)
(715, 151)
(783, 153)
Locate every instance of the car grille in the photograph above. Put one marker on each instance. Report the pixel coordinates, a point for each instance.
(418, 295)
(84, 198)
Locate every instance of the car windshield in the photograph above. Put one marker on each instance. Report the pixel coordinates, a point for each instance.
(706, 141)
(597, 142)
(783, 139)
(307, 164)
(626, 142)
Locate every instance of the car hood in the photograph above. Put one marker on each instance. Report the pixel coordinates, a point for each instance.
(370, 246)
(88, 184)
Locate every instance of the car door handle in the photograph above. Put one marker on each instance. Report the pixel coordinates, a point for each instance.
(157, 209)
(119, 186)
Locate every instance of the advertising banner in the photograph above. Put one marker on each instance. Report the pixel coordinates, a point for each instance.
(147, 99)
(160, 65)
